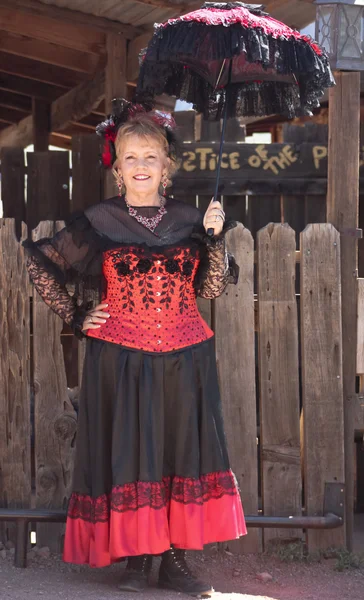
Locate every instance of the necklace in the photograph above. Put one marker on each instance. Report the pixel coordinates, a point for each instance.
(152, 222)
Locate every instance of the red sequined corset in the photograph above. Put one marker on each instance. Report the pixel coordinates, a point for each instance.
(151, 299)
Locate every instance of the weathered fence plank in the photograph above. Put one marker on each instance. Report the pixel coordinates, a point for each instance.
(360, 336)
(12, 185)
(55, 419)
(186, 124)
(322, 392)
(15, 482)
(48, 187)
(234, 328)
(87, 173)
(278, 376)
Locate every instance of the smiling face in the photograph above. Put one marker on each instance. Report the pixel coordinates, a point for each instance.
(142, 162)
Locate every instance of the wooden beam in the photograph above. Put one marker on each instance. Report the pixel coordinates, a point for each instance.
(60, 141)
(20, 135)
(55, 31)
(134, 48)
(90, 120)
(115, 83)
(47, 52)
(56, 18)
(16, 101)
(29, 87)
(179, 9)
(41, 124)
(8, 115)
(342, 212)
(12, 184)
(74, 105)
(77, 103)
(32, 69)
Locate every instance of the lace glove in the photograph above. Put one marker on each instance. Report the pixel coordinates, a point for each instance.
(56, 296)
(217, 267)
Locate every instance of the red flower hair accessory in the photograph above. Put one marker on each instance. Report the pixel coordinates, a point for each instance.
(122, 111)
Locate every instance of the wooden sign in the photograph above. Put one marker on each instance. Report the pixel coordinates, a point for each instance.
(254, 168)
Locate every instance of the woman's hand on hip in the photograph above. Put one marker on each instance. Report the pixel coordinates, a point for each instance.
(96, 317)
(214, 217)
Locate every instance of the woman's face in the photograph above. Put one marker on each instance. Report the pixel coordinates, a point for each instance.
(142, 162)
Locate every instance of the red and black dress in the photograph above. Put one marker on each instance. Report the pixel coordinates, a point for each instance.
(151, 465)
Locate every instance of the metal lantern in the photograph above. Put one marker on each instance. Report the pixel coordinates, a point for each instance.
(340, 30)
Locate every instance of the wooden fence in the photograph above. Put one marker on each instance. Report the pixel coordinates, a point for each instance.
(292, 190)
(279, 354)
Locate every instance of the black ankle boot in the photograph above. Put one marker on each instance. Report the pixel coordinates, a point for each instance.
(135, 576)
(174, 574)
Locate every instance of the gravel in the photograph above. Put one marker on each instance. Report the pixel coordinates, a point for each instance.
(235, 578)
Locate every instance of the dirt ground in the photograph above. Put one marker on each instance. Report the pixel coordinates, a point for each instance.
(234, 578)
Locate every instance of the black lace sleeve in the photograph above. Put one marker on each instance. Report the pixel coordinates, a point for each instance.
(68, 258)
(56, 296)
(217, 267)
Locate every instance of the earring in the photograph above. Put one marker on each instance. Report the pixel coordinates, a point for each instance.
(119, 183)
(164, 184)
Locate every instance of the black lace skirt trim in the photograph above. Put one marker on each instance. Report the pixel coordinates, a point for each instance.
(154, 494)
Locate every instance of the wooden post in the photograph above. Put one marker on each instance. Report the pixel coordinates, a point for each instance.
(235, 352)
(322, 381)
(48, 187)
(41, 124)
(15, 471)
(115, 86)
(87, 173)
(54, 417)
(342, 212)
(278, 376)
(12, 185)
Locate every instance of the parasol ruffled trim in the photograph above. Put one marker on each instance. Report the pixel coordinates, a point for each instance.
(310, 67)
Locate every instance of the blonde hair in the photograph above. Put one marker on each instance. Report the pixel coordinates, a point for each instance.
(145, 126)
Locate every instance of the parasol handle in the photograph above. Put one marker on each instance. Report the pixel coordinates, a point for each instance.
(210, 231)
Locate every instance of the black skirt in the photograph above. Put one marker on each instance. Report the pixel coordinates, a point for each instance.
(151, 465)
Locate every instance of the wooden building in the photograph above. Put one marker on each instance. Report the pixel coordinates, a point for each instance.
(61, 63)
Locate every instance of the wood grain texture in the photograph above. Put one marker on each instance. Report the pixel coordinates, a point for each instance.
(15, 476)
(78, 102)
(134, 49)
(54, 416)
(79, 23)
(12, 185)
(115, 86)
(49, 53)
(87, 173)
(235, 352)
(39, 71)
(343, 212)
(322, 373)
(360, 329)
(278, 376)
(41, 115)
(54, 30)
(48, 186)
(72, 106)
(186, 123)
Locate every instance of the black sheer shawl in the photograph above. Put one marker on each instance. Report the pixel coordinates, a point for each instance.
(67, 268)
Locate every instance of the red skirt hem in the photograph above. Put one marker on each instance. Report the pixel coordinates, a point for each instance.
(149, 530)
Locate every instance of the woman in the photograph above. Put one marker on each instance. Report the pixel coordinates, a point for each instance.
(152, 474)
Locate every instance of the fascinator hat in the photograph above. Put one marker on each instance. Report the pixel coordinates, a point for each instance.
(123, 111)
